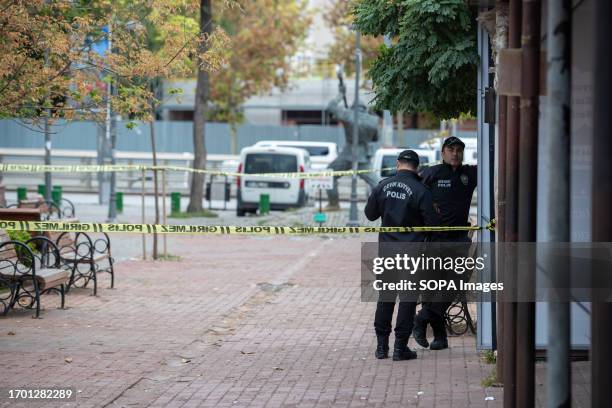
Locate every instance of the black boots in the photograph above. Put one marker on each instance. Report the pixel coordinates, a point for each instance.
(382, 348)
(401, 350)
(420, 331)
(440, 341)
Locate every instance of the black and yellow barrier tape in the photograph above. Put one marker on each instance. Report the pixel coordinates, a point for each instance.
(61, 226)
(119, 168)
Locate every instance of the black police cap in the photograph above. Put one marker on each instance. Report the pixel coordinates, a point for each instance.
(410, 156)
(450, 141)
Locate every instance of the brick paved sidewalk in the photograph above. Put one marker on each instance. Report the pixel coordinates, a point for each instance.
(239, 321)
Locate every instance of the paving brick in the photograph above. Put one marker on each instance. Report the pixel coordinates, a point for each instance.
(239, 321)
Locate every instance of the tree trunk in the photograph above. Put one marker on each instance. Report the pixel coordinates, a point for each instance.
(199, 120)
(234, 137)
(155, 189)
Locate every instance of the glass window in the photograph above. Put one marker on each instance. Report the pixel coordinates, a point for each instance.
(270, 163)
(312, 150)
(388, 161)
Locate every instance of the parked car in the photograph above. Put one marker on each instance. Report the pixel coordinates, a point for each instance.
(321, 153)
(284, 192)
(386, 157)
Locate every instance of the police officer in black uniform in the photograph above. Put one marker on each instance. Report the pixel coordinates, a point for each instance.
(452, 185)
(400, 201)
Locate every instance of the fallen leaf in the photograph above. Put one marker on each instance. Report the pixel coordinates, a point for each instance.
(278, 368)
(68, 360)
(11, 333)
(186, 360)
(247, 352)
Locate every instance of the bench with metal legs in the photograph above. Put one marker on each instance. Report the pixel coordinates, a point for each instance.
(29, 270)
(86, 257)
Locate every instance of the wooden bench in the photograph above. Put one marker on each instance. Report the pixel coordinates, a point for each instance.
(26, 274)
(85, 256)
(48, 209)
(20, 214)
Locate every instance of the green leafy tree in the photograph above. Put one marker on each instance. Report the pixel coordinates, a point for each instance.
(431, 65)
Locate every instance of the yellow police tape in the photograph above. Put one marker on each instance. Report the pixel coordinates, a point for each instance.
(61, 226)
(104, 168)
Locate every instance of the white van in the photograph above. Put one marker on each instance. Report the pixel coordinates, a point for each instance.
(387, 157)
(321, 153)
(284, 192)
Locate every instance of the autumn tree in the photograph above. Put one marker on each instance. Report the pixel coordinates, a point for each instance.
(170, 48)
(339, 17)
(263, 35)
(45, 59)
(50, 68)
(196, 194)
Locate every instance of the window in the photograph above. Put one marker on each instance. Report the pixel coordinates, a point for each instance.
(270, 163)
(388, 161)
(312, 150)
(307, 117)
(180, 115)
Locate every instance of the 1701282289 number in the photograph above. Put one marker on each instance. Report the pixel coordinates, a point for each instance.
(66, 394)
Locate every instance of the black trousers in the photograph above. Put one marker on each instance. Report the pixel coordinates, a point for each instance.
(433, 311)
(405, 316)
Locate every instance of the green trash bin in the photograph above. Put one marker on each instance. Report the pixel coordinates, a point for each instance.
(264, 203)
(22, 193)
(56, 194)
(42, 189)
(175, 203)
(119, 202)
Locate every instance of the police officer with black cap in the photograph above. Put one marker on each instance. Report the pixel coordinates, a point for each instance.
(452, 185)
(400, 201)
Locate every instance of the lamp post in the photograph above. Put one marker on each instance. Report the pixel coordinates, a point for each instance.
(353, 218)
(388, 139)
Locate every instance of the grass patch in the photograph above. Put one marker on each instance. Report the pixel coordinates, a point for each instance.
(489, 357)
(491, 380)
(169, 257)
(200, 214)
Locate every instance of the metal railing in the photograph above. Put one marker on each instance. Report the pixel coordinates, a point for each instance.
(129, 182)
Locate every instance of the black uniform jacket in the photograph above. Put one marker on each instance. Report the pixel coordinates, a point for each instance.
(452, 192)
(402, 201)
